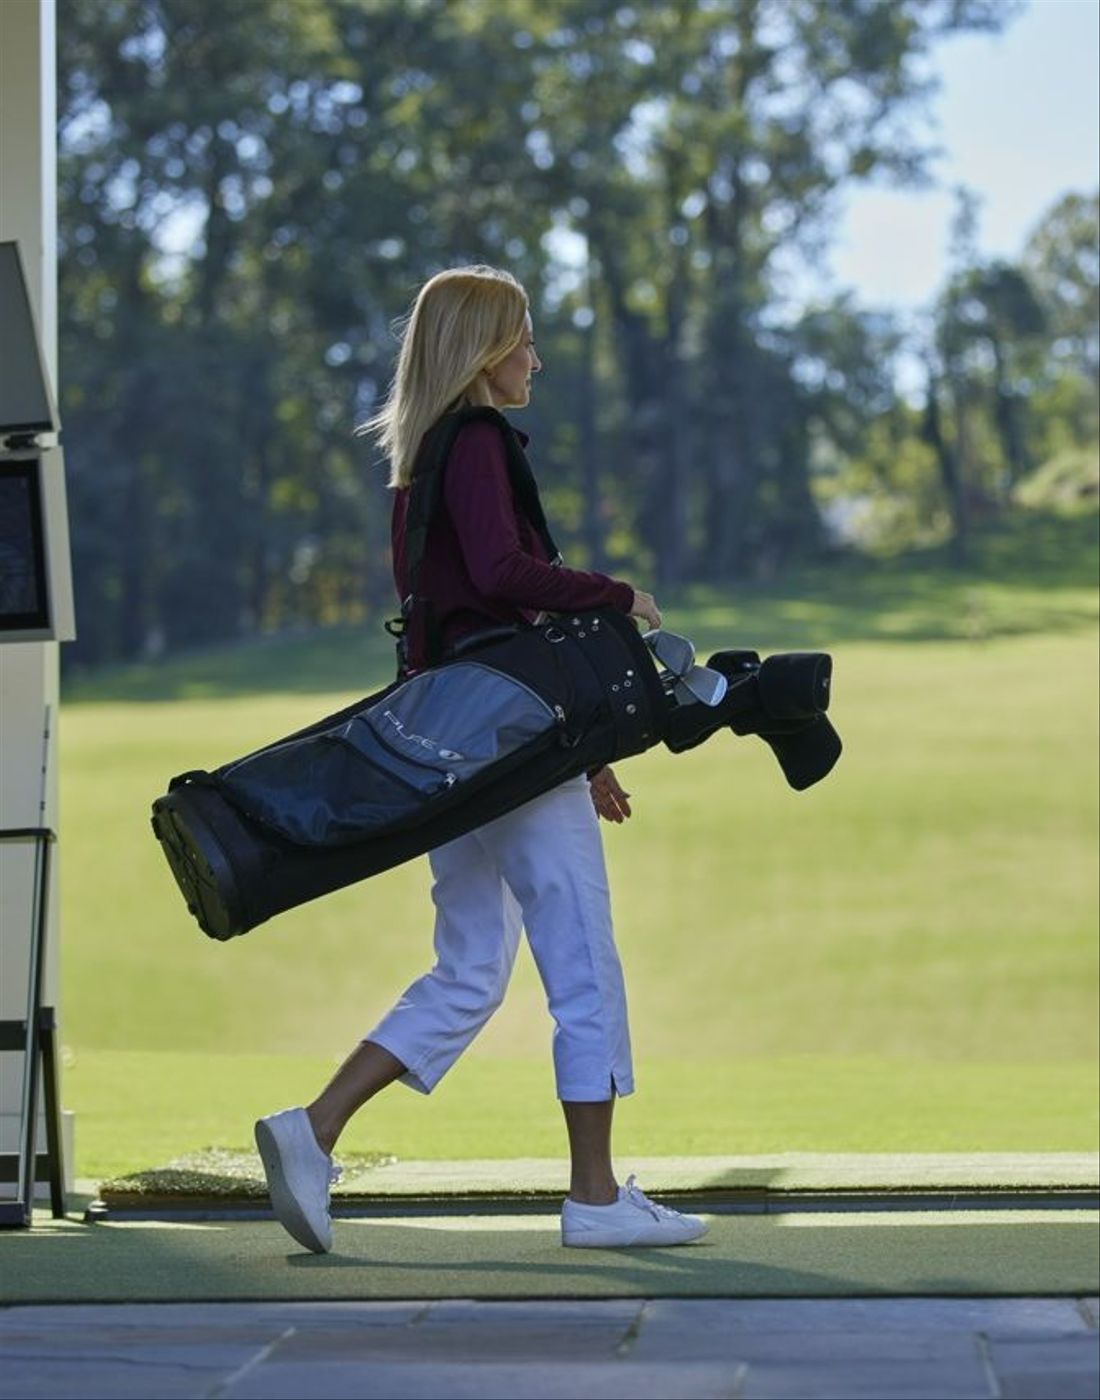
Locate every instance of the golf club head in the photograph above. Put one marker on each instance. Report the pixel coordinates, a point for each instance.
(671, 650)
(701, 683)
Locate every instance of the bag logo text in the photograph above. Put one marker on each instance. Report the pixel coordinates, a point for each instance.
(420, 739)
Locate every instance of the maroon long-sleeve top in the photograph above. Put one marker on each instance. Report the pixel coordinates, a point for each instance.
(484, 563)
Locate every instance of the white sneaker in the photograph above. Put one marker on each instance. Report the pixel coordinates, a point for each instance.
(632, 1219)
(299, 1175)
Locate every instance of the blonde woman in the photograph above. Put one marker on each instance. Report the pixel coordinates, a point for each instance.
(470, 341)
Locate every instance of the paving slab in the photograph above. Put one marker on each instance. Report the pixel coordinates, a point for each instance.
(60, 1380)
(568, 1381)
(543, 1343)
(868, 1380)
(274, 1315)
(993, 1316)
(1046, 1353)
(226, 1347)
(1042, 1385)
(573, 1312)
(924, 1348)
(697, 1342)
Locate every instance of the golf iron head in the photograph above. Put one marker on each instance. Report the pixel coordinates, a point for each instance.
(674, 652)
(701, 683)
(677, 655)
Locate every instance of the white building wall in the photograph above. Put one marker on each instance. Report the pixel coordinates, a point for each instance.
(28, 670)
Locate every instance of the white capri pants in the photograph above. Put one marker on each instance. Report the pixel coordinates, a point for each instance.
(540, 867)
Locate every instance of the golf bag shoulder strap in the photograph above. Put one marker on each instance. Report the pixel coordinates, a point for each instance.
(425, 502)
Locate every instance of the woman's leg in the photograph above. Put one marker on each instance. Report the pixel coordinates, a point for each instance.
(366, 1070)
(477, 932)
(550, 852)
(591, 1176)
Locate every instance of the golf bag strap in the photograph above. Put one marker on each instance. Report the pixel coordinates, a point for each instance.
(425, 501)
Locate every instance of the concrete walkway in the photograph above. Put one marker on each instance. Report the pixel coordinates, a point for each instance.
(923, 1348)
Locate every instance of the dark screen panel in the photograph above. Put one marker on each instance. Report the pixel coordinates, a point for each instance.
(23, 593)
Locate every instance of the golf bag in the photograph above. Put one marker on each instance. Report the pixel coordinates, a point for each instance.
(505, 715)
(426, 759)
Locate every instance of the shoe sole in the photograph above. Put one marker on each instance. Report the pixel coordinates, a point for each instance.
(596, 1240)
(283, 1201)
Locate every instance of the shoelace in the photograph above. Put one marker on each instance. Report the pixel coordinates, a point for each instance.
(334, 1174)
(640, 1199)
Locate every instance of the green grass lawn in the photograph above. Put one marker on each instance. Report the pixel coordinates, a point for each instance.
(901, 958)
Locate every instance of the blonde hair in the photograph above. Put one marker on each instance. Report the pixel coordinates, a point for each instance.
(464, 321)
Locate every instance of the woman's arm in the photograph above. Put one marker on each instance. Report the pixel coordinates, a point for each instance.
(479, 500)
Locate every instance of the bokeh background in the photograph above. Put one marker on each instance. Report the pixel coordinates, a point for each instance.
(815, 288)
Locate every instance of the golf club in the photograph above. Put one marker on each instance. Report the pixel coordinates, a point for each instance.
(701, 683)
(671, 650)
(692, 682)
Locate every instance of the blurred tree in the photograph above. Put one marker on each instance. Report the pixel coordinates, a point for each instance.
(249, 198)
(992, 309)
(1062, 262)
(754, 114)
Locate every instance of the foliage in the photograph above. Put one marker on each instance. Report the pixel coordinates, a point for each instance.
(247, 202)
(1069, 482)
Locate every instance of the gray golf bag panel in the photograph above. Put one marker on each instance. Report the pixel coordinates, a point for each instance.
(381, 769)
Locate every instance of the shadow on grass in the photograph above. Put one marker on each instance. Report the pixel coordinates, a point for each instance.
(1034, 574)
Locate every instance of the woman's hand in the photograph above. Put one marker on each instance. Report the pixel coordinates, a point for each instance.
(645, 607)
(608, 797)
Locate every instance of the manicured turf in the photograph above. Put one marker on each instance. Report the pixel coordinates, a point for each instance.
(902, 958)
(140, 1109)
(991, 1253)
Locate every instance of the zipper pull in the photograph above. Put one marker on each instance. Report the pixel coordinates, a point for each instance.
(565, 738)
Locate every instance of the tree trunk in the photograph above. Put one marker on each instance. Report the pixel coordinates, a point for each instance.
(1006, 415)
(951, 472)
(671, 486)
(588, 436)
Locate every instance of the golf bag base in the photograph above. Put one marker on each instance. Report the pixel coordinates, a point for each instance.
(285, 824)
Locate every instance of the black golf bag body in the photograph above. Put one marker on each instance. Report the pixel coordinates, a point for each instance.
(408, 768)
(501, 717)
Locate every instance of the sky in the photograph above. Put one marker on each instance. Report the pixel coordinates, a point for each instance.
(1017, 114)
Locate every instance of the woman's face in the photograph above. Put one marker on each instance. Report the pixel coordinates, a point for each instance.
(510, 379)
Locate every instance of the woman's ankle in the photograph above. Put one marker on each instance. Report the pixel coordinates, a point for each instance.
(325, 1133)
(602, 1192)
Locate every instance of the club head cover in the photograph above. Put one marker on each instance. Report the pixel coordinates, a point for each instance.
(806, 747)
(735, 664)
(689, 725)
(807, 754)
(795, 684)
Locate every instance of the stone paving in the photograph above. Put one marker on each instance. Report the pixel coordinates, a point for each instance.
(805, 1349)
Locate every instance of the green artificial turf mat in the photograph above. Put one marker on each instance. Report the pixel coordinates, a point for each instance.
(992, 1253)
(228, 1175)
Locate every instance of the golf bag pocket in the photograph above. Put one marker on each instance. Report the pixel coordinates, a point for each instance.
(423, 745)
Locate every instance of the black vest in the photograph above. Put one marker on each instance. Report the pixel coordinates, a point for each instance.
(418, 616)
